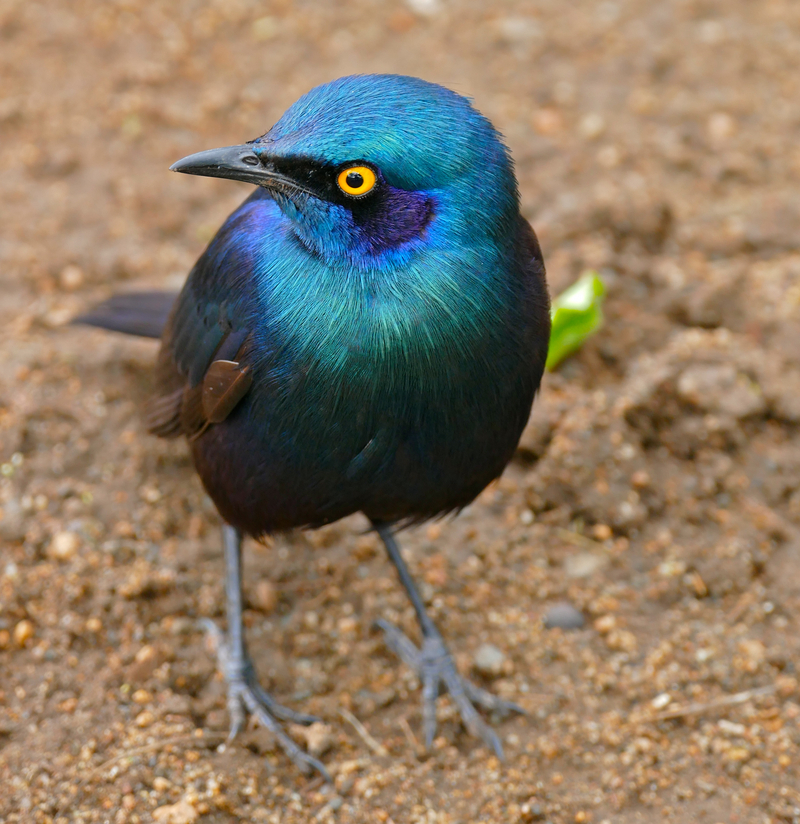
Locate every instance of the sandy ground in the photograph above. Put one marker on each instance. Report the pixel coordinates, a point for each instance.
(656, 489)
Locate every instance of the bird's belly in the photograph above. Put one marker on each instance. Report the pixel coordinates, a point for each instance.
(398, 457)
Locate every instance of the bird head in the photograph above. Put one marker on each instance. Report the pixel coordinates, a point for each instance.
(369, 167)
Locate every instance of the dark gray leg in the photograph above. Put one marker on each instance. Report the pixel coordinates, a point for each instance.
(434, 664)
(245, 694)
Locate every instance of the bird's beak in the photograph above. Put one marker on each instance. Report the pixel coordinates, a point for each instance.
(235, 163)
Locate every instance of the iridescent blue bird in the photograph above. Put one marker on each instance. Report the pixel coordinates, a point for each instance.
(365, 333)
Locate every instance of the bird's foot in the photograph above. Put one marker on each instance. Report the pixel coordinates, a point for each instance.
(437, 671)
(247, 697)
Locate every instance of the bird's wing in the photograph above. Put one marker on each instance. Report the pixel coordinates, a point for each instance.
(203, 369)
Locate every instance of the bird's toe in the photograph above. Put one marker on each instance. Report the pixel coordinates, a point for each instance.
(401, 645)
(437, 671)
(278, 710)
(491, 702)
(246, 697)
(304, 762)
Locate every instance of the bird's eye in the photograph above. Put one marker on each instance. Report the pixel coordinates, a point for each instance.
(356, 180)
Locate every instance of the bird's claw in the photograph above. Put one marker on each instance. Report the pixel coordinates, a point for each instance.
(247, 697)
(437, 671)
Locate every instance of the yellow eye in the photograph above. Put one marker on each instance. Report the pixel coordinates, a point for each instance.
(356, 180)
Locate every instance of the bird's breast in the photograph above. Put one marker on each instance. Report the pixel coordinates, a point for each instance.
(414, 323)
(398, 390)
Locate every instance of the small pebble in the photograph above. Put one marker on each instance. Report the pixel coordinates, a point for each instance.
(265, 28)
(532, 811)
(331, 807)
(93, 624)
(731, 728)
(181, 813)
(721, 126)
(71, 278)
(602, 532)
(145, 719)
(547, 121)
(265, 596)
(319, 738)
(583, 564)
(738, 754)
(63, 546)
(605, 623)
(347, 624)
(23, 632)
(563, 616)
(621, 640)
(489, 660)
(57, 317)
(151, 494)
(592, 126)
(425, 8)
(144, 653)
(661, 701)
(181, 626)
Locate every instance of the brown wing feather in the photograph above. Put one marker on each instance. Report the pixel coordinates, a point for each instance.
(183, 408)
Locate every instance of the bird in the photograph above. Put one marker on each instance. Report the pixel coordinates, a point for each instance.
(365, 333)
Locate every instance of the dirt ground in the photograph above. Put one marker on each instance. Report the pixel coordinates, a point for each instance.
(656, 490)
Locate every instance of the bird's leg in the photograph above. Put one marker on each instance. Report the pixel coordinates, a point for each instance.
(245, 694)
(434, 664)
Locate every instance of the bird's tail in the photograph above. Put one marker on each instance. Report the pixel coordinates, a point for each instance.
(138, 313)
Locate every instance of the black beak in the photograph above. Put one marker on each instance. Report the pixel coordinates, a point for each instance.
(232, 162)
(237, 163)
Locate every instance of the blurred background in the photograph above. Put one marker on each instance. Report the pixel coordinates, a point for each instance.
(655, 497)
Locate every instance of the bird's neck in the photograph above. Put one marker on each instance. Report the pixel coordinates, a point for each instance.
(429, 307)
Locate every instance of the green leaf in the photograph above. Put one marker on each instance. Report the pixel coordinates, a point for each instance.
(576, 314)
